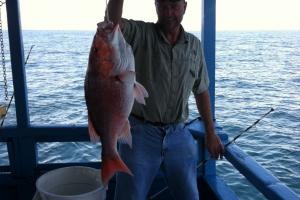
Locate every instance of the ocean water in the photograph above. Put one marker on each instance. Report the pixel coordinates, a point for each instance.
(254, 72)
(257, 71)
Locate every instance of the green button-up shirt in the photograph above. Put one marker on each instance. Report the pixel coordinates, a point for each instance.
(168, 72)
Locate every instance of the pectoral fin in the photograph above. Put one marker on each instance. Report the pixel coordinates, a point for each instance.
(125, 76)
(140, 93)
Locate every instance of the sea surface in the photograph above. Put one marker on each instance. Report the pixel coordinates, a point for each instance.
(255, 71)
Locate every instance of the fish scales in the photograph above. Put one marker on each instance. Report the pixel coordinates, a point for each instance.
(110, 90)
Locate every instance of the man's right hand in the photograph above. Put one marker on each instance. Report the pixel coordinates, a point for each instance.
(114, 11)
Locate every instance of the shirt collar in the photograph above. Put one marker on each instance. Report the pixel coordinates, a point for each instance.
(183, 38)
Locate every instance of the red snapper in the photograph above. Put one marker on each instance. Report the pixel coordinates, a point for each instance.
(110, 90)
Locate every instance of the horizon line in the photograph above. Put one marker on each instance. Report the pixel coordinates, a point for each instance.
(217, 30)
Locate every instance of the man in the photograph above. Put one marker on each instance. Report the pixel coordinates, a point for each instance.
(169, 64)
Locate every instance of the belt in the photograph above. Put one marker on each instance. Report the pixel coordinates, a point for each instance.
(149, 122)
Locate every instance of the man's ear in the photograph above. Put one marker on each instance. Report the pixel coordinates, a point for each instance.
(185, 5)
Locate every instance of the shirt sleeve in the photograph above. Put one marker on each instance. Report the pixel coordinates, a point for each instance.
(202, 82)
(132, 31)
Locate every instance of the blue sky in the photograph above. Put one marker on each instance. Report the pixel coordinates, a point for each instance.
(231, 14)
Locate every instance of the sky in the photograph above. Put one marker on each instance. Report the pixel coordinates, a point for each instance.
(231, 14)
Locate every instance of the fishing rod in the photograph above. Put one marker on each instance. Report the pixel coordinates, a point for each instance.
(226, 145)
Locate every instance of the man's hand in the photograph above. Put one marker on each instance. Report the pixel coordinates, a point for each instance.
(114, 11)
(213, 142)
(214, 145)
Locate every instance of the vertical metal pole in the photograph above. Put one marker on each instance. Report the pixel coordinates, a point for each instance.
(17, 62)
(208, 36)
(21, 149)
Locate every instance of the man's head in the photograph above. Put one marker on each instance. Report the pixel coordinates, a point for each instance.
(170, 12)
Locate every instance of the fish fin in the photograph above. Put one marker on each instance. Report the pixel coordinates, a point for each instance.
(140, 93)
(112, 165)
(125, 75)
(92, 132)
(125, 136)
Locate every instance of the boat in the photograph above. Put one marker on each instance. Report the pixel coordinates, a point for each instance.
(17, 180)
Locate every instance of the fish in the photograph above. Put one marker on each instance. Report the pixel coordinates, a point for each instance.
(110, 89)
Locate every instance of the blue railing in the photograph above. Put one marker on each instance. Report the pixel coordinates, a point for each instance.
(260, 177)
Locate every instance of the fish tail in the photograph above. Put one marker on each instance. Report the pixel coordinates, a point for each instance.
(112, 165)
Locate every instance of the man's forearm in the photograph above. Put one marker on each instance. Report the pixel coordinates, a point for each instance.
(114, 10)
(213, 142)
(203, 105)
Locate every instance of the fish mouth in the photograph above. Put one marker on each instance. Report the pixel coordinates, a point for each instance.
(105, 27)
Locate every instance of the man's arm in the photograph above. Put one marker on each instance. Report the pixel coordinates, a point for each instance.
(114, 11)
(213, 142)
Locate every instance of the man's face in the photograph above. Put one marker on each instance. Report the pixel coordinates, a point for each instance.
(170, 12)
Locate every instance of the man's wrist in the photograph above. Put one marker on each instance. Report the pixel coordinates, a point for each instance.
(210, 132)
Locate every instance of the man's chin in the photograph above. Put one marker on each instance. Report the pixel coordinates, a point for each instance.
(169, 26)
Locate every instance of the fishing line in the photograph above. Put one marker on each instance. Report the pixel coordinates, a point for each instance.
(226, 145)
(12, 96)
(4, 70)
(106, 12)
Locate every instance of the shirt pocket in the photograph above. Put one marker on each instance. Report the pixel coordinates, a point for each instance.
(190, 78)
(191, 75)
(193, 65)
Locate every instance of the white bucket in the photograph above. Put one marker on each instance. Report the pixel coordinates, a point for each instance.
(76, 183)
